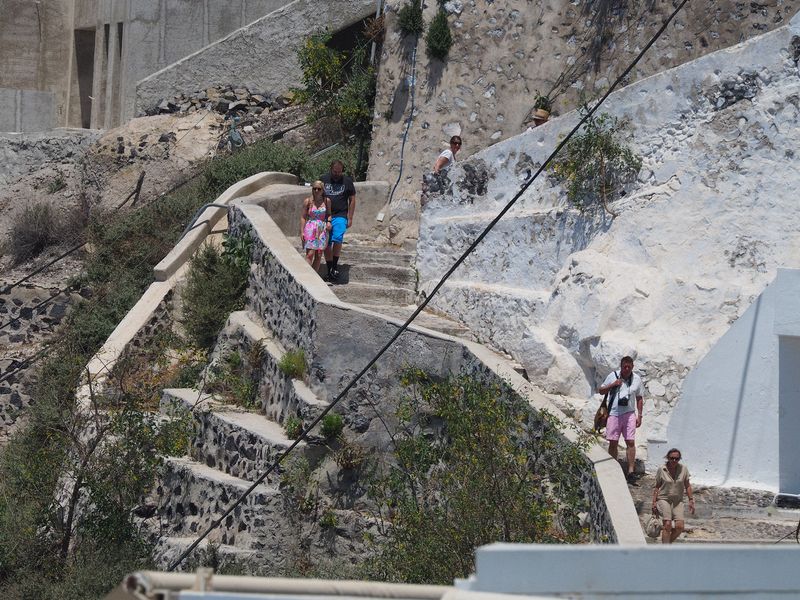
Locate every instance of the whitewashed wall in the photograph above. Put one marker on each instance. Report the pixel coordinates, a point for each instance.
(736, 412)
(699, 236)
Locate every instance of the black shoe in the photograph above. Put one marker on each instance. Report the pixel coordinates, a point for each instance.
(333, 275)
(631, 479)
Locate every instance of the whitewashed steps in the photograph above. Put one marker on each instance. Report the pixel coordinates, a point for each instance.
(369, 294)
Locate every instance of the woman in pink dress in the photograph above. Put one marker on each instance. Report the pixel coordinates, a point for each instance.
(314, 224)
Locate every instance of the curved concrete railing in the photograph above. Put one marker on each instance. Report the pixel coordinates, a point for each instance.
(338, 339)
(151, 312)
(208, 219)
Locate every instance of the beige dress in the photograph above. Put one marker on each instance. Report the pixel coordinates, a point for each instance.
(670, 492)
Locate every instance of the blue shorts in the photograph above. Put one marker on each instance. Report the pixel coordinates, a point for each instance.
(338, 227)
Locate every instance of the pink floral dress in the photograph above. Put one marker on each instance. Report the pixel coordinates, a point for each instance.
(315, 232)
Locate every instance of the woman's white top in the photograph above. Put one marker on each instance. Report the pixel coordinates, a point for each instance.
(448, 154)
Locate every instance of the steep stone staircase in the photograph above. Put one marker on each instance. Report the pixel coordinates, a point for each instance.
(383, 279)
(229, 447)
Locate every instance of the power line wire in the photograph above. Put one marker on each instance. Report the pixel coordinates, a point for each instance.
(304, 434)
(413, 86)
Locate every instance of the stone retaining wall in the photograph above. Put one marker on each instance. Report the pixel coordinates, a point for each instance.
(339, 340)
(23, 153)
(25, 328)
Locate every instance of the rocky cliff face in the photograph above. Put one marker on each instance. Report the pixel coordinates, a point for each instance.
(504, 52)
(699, 235)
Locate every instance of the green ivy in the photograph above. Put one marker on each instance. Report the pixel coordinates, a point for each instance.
(472, 465)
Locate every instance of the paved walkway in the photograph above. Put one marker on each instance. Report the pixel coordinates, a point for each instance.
(726, 515)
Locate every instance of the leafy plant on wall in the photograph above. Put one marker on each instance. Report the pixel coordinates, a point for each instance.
(438, 40)
(336, 84)
(596, 163)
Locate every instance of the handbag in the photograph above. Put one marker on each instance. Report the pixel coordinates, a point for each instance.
(653, 526)
(601, 416)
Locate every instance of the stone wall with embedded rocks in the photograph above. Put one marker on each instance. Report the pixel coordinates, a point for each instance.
(699, 235)
(340, 339)
(503, 53)
(23, 153)
(27, 319)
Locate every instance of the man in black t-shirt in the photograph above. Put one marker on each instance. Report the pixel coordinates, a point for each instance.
(342, 193)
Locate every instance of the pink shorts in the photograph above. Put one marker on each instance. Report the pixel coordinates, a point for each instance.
(624, 424)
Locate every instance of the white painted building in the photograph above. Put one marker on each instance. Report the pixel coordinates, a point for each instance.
(738, 418)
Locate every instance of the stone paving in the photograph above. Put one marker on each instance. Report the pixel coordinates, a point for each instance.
(726, 515)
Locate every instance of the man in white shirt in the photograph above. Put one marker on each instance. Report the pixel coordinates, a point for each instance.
(623, 417)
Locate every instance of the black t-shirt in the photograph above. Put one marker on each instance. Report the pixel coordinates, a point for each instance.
(339, 192)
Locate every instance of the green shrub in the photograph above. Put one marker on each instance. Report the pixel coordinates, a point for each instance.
(32, 230)
(543, 102)
(332, 91)
(350, 456)
(439, 39)
(56, 184)
(328, 520)
(332, 425)
(235, 381)
(293, 364)
(215, 287)
(596, 163)
(410, 18)
(293, 427)
(471, 465)
(269, 156)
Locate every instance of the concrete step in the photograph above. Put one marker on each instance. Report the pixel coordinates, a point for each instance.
(377, 274)
(363, 254)
(279, 395)
(240, 443)
(193, 495)
(224, 556)
(425, 319)
(369, 294)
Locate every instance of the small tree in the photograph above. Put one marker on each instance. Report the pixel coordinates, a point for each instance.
(336, 84)
(215, 286)
(410, 18)
(439, 39)
(595, 163)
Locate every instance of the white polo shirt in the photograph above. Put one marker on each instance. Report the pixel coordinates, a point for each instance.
(623, 391)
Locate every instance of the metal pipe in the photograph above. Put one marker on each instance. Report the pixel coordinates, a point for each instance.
(154, 584)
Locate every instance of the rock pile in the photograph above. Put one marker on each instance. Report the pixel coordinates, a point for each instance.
(224, 99)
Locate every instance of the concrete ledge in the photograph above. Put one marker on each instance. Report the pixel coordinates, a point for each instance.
(284, 203)
(583, 571)
(143, 313)
(209, 218)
